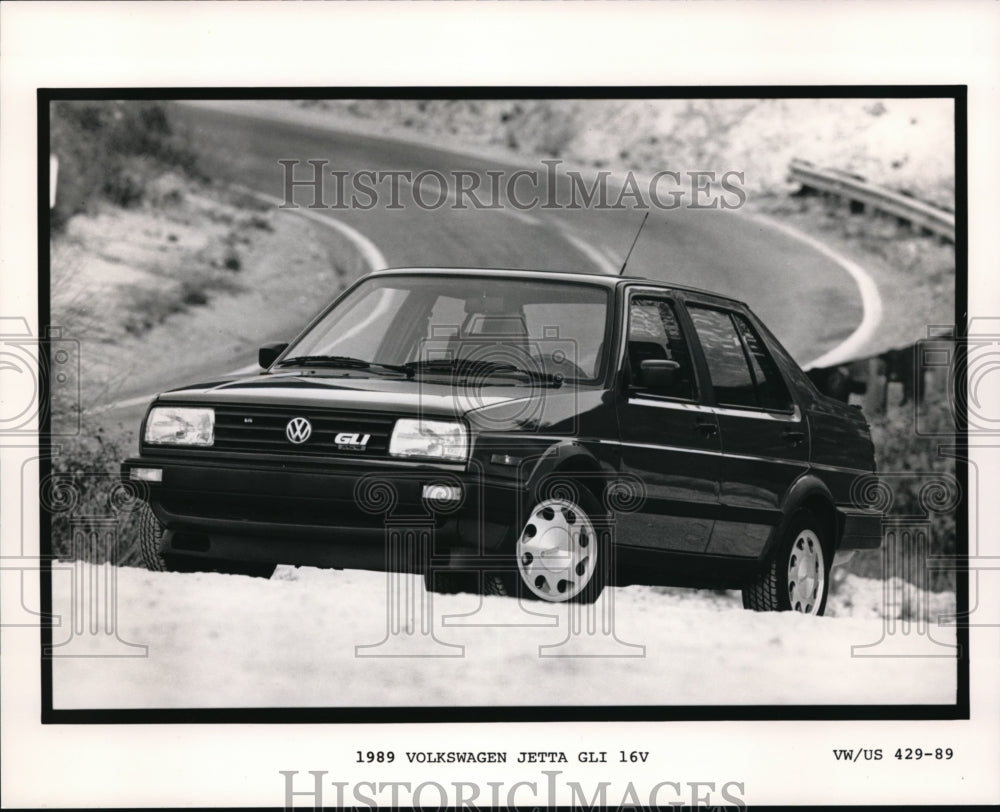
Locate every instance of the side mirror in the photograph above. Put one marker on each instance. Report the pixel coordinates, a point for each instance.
(269, 353)
(658, 374)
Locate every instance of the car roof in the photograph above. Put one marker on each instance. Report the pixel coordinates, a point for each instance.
(557, 276)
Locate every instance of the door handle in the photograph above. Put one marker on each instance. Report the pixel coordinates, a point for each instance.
(707, 427)
(794, 437)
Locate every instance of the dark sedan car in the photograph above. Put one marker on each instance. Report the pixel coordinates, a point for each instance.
(540, 434)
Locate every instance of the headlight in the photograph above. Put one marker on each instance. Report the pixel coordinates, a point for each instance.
(434, 439)
(174, 425)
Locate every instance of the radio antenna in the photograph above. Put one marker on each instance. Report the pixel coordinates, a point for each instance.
(622, 271)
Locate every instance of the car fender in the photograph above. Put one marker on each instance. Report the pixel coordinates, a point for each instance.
(808, 488)
(569, 459)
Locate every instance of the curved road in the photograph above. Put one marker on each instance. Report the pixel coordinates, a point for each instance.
(804, 296)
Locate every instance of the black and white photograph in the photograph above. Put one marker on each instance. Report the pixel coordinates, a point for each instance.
(539, 389)
(402, 434)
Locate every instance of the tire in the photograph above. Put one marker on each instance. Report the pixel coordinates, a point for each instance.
(796, 578)
(150, 540)
(559, 554)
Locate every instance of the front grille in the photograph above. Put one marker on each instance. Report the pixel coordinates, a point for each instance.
(260, 429)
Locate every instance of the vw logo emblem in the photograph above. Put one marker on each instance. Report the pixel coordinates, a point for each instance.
(298, 430)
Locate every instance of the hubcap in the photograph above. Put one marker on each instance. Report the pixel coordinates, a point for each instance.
(806, 573)
(557, 550)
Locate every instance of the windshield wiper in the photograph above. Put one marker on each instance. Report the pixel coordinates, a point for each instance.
(467, 366)
(340, 362)
(433, 364)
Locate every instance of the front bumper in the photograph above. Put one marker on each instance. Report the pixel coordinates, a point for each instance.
(333, 515)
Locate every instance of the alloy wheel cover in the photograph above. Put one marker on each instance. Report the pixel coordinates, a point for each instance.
(557, 550)
(806, 575)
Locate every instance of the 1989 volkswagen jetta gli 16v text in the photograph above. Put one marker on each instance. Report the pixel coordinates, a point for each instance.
(539, 434)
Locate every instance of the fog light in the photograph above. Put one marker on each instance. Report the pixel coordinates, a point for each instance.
(443, 493)
(146, 474)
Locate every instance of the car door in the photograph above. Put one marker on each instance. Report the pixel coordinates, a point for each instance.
(765, 441)
(669, 439)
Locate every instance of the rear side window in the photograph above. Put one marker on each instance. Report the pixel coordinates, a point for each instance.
(743, 372)
(727, 363)
(771, 390)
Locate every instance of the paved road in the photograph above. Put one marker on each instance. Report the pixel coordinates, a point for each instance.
(806, 298)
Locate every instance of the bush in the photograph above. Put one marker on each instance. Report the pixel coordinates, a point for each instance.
(94, 516)
(148, 307)
(111, 150)
(900, 450)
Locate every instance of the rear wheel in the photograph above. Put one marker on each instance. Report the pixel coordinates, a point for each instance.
(796, 578)
(150, 549)
(559, 555)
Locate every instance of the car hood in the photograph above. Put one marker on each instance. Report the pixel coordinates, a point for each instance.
(394, 396)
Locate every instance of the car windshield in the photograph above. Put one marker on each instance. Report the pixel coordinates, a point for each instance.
(455, 326)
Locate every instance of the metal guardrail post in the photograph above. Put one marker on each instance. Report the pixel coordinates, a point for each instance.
(870, 195)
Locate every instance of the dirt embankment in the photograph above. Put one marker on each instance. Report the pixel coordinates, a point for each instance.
(188, 283)
(906, 144)
(196, 272)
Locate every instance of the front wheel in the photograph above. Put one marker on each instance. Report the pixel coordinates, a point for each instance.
(560, 556)
(796, 578)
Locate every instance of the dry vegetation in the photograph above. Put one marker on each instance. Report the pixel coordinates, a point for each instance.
(906, 144)
(174, 269)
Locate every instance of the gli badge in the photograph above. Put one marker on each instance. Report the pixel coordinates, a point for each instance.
(298, 430)
(355, 442)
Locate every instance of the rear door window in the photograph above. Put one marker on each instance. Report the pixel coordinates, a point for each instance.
(742, 370)
(772, 393)
(727, 363)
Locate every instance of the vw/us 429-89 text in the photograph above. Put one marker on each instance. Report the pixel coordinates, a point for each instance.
(525, 433)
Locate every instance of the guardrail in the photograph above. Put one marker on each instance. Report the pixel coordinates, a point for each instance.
(851, 187)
